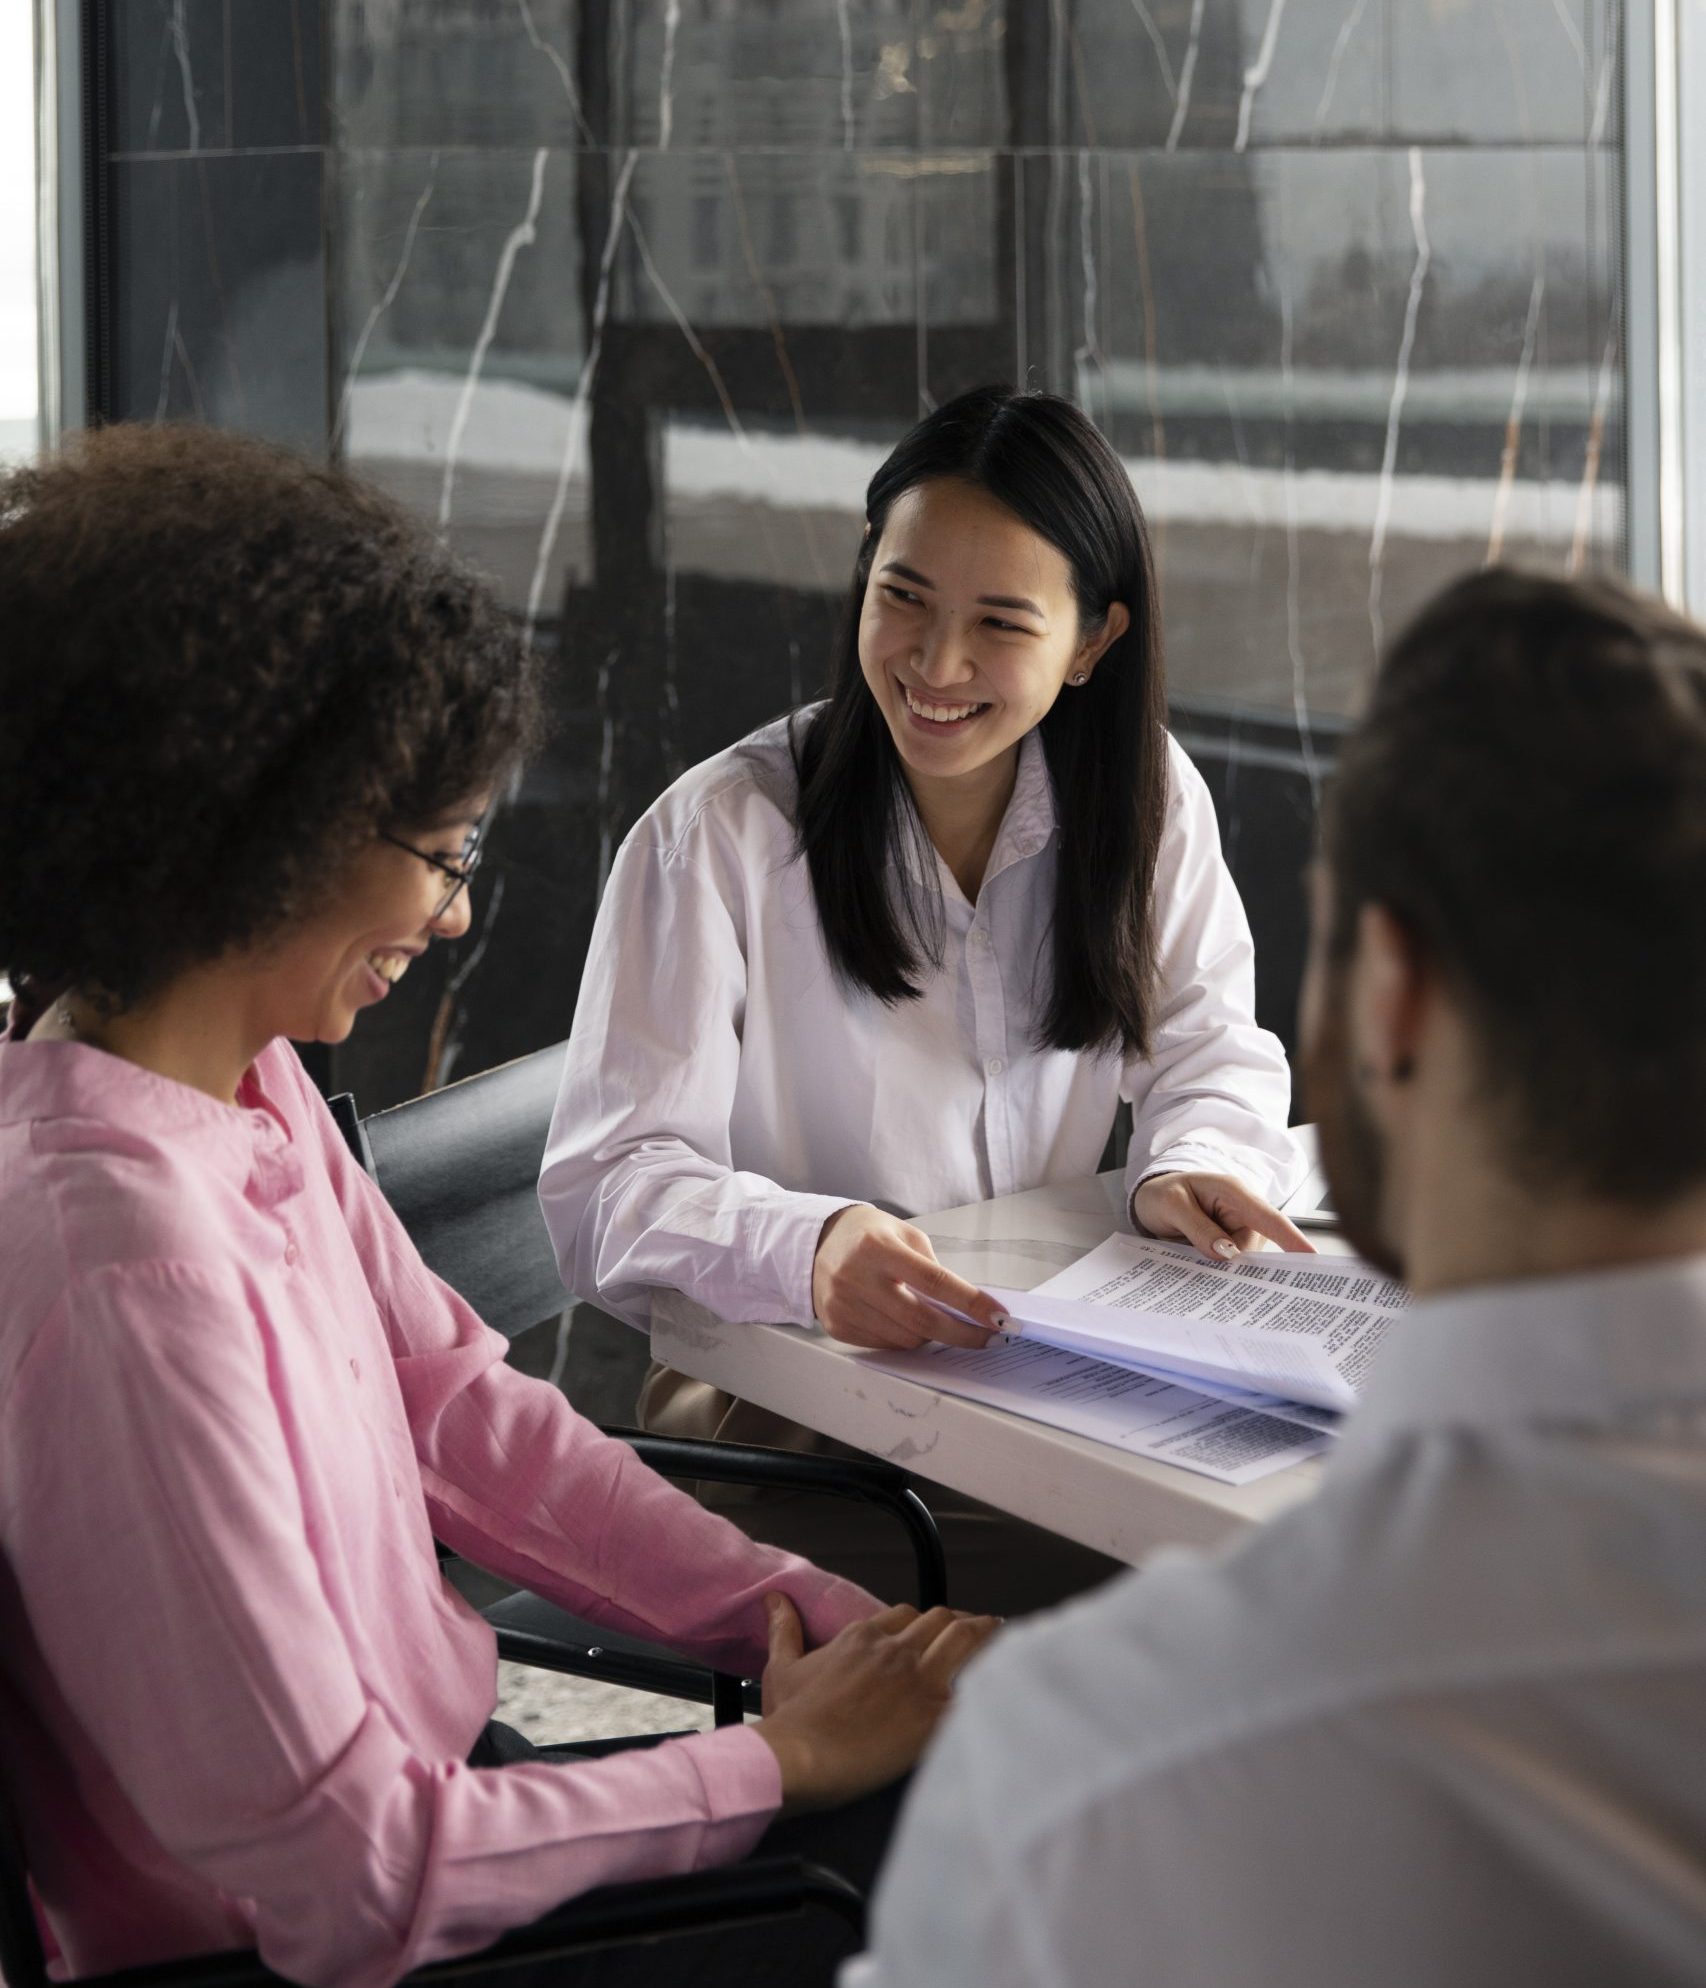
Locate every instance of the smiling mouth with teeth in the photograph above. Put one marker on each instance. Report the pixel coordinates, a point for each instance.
(389, 966)
(940, 714)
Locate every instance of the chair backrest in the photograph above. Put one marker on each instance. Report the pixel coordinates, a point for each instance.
(22, 1962)
(461, 1168)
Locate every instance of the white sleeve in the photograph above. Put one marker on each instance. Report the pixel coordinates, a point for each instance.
(954, 1908)
(1214, 1095)
(639, 1189)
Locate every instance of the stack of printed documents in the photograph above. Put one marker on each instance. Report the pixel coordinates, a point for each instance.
(1233, 1370)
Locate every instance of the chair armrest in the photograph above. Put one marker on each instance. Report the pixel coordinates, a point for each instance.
(869, 1480)
(696, 1902)
(573, 1648)
(613, 1916)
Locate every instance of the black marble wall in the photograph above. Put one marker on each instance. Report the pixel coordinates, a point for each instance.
(630, 299)
(210, 297)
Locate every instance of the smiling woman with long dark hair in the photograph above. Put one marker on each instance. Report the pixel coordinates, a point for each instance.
(913, 947)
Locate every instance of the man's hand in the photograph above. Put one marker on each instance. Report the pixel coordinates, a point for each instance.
(871, 1276)
(853, 1715)
(1215, 1212)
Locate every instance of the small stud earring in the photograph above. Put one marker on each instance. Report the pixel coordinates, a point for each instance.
(1082, 677)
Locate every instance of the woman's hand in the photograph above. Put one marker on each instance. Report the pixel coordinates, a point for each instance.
(854, 1714)
(1214, 1211)
(871, 1276)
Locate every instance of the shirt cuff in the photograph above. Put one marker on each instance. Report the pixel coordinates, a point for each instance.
(833, 1606)
(742, 1782)
(795, 1250)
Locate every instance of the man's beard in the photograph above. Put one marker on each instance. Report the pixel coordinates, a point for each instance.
(1353, 1154)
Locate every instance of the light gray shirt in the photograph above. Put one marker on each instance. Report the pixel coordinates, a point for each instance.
(1443, 1724)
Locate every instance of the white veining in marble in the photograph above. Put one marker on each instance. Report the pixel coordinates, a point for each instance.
(168, 350)
(180, 33)
(674, 762)
(564, 74)
(606, 767)
(1089, 351)
(1187, 75)
(560, 1352)
(1400, 384)
(1055, 273)
(923, 398)
(1146, 21)
(803, 514)
(387, 298)
(844, 27)
(695, 344)
(1020, 284)
(1257, 73)
(1293, 571)
(1602, 95)
(444, 1044)
(1348, 28)
(570, 457)
(1577, 46)
(521, 236)
(1596, 441)
(1234, 816)
(666, 73)
(1513, 421)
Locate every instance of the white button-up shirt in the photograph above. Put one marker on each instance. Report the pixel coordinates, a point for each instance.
(1444, 1726)
(724, 1092)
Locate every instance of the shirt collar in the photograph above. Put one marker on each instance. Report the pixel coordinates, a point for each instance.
(1029, 820)
(1026, 824)
(1591, 1349)
(73, 1080)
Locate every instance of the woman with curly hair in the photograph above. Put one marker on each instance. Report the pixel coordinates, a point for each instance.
(253, 718)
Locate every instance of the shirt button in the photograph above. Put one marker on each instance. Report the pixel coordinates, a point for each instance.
(995, 1066)
(355, 1368)
(291, 1252)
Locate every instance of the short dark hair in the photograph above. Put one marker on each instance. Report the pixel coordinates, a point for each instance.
(1527, 796)
(221, 667)
(1105, 745)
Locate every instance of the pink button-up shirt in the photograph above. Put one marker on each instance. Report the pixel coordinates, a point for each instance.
(236, 1693)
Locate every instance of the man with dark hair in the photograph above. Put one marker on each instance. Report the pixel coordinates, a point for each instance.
(1445, 1723)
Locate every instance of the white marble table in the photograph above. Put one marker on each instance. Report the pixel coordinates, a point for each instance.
(1121, 1505)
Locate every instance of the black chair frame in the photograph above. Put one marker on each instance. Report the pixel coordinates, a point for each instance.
(530, 1631)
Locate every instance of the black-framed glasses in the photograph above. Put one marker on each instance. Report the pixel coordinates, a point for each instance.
(460, 873)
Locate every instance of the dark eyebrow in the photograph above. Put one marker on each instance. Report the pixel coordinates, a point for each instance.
(984, 600)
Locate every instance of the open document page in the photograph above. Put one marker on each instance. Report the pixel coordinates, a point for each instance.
(1143, 1414)
(1299, 1327)
(1234, 1371)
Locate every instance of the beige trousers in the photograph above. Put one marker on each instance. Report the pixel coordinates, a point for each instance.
(997, 1564)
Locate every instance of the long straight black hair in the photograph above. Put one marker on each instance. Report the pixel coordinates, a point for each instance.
(1105, 743)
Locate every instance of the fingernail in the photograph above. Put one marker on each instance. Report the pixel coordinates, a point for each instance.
(1225, 1247)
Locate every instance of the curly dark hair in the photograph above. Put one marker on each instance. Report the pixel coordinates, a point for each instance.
(222, 668)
